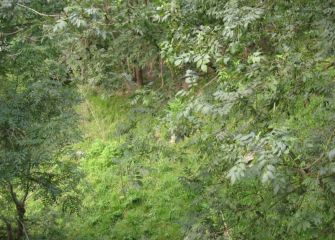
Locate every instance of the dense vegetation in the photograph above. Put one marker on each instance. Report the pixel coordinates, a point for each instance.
(167, 119)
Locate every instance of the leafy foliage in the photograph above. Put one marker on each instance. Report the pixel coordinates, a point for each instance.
(202, 119)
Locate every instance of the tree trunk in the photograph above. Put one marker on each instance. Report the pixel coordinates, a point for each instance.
(161, 74)
(10, 235)
(20, 208)
(139, 76)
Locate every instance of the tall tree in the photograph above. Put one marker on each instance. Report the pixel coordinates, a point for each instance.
(37, 117)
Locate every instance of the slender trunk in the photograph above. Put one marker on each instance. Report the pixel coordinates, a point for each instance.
(161, 65)
(10, 235)
(139, 76)
(150, 71)
(20, 208)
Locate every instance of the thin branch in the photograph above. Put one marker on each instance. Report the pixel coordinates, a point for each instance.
(26, 192)
(11, 33)
(36, 12)
(13, 194)
(24, 229)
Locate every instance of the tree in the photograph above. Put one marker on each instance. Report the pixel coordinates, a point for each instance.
(111, 44)
(37, 117)
(252, 122)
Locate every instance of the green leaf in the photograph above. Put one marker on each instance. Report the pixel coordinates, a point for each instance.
(204, 68)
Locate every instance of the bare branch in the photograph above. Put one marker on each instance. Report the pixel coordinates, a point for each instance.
(26, 192)
(36, 12)
(13, 194)
(3, 34)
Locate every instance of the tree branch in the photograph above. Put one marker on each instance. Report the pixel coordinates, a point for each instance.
(3, 34)
(26, 192)
(24, 229)
(36, 12)
(13, 194)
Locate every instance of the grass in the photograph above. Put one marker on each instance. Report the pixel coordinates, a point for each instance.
(126, 197)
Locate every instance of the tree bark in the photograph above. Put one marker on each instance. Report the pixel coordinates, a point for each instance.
(161, 74)
(10, 235)
(139, 76)
(20, 208)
